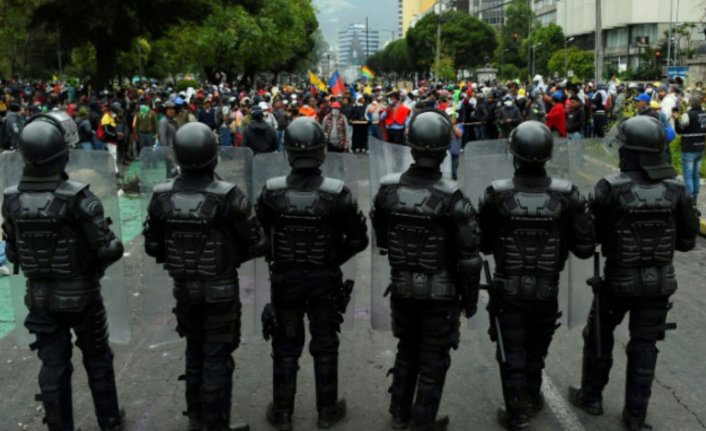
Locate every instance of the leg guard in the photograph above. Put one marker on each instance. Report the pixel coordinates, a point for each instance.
(404, 380)
(54, 350)
(284, 385)
(193, 377)
(433, 365)
(326, 375)
(216, 370)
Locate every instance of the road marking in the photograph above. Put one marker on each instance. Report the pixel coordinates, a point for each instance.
(566, 417)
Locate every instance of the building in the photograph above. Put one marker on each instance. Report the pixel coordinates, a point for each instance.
(409, 12)
(545, 10)
(629, 26)
(355, 45)
(489, 11)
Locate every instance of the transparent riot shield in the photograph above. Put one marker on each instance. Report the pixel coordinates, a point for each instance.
(589, 161)
(385, 158)
(488, 161)
(158, 165)
(340, 166)
(97, 169)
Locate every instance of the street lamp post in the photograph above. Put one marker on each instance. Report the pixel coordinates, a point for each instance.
(566, 55)
(439, 5)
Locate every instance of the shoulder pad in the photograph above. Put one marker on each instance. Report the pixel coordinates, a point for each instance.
(617, 180)
(277, 183)
(503, 185)
(559, 185)
(671, 182)
(220, 188)
(70, 188)
(445, 186)
(164, 187)
(391, 179)
(332, 186)
(12, 190)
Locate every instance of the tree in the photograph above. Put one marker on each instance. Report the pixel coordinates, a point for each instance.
(580, 62)
(514, 33)
(395, 58)
(25, 49)
(466, 40)
(111, 26)
(548, 39)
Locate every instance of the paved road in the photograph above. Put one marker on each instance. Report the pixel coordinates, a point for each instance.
(148, 366)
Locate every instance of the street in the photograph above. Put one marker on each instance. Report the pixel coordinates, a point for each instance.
(147, 368)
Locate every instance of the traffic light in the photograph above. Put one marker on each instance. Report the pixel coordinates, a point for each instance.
(658, 54)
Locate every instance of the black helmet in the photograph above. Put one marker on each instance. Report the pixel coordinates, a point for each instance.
(429, 137)
(45, 141)
(305, 143)
(645, 143)
(643, 134)
(531, 142)
(195, 147)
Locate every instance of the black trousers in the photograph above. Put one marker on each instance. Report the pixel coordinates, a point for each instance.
(313, 294)
(53, 345)
(526, 328)
(360, 137)
(647, 326)
(212, 332)
(396, 136)
(427, 330)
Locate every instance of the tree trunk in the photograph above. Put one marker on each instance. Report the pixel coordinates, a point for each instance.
(105, 63)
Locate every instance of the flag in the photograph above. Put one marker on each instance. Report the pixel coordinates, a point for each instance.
(367, 72)
(336, 83)
(316, 81)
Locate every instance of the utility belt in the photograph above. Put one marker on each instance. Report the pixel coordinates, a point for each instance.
(419, 285)
(61, 295)
(473, 123)
(645, 281)
(531, 287)
(206, 291)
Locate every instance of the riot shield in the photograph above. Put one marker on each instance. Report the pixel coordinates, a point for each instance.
(97, 169)
(589, 161)
(385, 158)
(488, 161)
(158, 165)
(341, 166)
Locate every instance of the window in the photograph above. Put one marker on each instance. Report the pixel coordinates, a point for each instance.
(617, 38)
(648, 30)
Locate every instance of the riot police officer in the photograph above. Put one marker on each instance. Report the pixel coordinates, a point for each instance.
(202, 229)
(57, 233)
(314, 225)
(428, 230)
(530, 222)
(643, 214)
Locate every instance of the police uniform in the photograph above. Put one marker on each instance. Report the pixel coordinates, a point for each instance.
(314, 226)
(57, 233)
(530, 223)
(643, 215)
(428, 230)
(201, 229)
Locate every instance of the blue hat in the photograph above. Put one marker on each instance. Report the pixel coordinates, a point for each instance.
(558, 96)
(643, 98)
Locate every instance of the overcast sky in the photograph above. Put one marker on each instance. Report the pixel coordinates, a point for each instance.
(337, 14)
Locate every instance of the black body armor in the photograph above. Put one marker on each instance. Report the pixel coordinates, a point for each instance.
(303, 233)
(640, 245)
(47, 233)
(420, 248)
(530, 230)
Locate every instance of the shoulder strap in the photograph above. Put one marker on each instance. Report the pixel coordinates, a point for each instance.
(164, 187)
(618, 180)
(69, 189)
(277, 183)
(505, 185)
(561, 186)
(220, 188)
(447, 187)
(391, 179)
(331, 186)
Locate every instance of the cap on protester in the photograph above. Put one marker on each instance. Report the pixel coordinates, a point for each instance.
(655, 105)
(335, 105)
(643, 98)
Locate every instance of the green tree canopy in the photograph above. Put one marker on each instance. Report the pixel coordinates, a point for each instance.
(394, 58)
(547, 40)
(580, 62)
(513, 34)
(466, 40)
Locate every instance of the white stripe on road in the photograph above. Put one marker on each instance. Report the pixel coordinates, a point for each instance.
(566, 417)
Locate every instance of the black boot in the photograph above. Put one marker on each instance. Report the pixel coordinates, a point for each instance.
(433, 365)
(58, 408)
(594, 377)
(439, 424)
(331, 409)
(535, 404)
(635, 420)
(284, 382)
(513, 421)
(590, 403)
(192, 378)
(101, 381)
(404, 382)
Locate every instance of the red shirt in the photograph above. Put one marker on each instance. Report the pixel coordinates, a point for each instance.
(556, 119)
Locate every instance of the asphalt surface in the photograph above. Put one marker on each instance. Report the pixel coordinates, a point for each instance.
(147, 367)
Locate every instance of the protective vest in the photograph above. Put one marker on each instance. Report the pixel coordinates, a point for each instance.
(420, 244)
(398, 115)
(639, 248)
(51, 249)
(694, 134)
(530, 251)
(303, 233)
(198, 246)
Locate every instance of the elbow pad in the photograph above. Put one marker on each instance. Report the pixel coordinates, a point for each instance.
(112, 252)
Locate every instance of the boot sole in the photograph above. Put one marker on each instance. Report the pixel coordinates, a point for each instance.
(575, 400)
